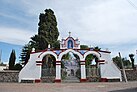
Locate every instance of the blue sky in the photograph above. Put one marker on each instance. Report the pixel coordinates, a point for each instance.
(108, 24)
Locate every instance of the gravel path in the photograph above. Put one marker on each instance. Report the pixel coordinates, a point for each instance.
(69, 87)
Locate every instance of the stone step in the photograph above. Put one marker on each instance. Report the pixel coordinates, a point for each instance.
(48, 79)
(71, 79)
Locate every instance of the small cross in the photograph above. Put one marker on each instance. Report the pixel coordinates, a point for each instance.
(69, 34)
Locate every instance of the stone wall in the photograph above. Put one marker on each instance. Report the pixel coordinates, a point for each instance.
(48, 79)
(9, 76)
(131, 75)
(93, 79)
(12, 76)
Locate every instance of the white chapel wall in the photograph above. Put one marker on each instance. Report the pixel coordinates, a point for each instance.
(109, 70)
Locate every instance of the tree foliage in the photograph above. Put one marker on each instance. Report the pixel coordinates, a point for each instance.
(18, 66)
(97, 48)
(12, 60)
(56, 44)
(117, 61)
(84, 47)
(90, 58)
(47, 31)
(25, 54)
(47, 34)
(132, 59)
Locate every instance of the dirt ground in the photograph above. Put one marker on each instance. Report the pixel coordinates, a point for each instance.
(69, 87)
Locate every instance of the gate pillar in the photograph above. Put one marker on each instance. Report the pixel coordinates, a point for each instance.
(58, 72)
(83, 71)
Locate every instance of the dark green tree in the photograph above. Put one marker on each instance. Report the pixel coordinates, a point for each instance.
(132, 59)
(47, 31)
(25, 54)
(117, 61)
(56, 44)
(84, 47)
(18, 66)
(12, 60)
(97, 48)
(47, 34)
(90, 57)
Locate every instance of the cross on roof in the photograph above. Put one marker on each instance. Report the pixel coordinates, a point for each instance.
(69, 34)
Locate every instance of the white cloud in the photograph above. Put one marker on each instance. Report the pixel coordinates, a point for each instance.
(104, 21)
(95, 22)
(15, 36)
(112, 22)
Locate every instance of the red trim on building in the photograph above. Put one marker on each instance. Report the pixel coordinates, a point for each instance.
(38, 61)
(39, 64)
(48, 49)
(82, 64)
(39, 51)
(33, 52)
(83, 80)
(83, 61)
(58, 61)
(37, 80)
(105, 51)
(103, 80)
(101, 61)
(40, 54)
(57, 80)
(58, 64)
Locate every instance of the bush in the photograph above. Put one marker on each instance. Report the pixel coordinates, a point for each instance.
(18, 66)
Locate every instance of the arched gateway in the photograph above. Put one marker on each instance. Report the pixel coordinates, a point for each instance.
(73, 61)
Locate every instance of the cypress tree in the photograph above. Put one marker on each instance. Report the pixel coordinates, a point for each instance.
(25, 54)
(47, 34)
(12, 60)
(47, 31)
(132, 60)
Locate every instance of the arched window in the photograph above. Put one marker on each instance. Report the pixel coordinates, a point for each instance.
(70, 44)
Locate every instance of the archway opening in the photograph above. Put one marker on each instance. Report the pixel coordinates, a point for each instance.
(92, 68)
(48, 70)
(70, 66)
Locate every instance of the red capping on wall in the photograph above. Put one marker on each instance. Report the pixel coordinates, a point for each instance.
(105, 51)
(57, 80)
(103, 80)
(33, 52)
(83, 80)
(38, 61)
(58, 64)
(101, 61)
(82, 64)
(58, 61)
(83, 61)
(37, 80)
(38, 64)
(38, 51)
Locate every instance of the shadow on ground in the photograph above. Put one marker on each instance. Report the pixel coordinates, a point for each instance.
(126, 90)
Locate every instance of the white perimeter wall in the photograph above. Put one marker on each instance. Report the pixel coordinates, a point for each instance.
(109, 70)
(30, 71)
